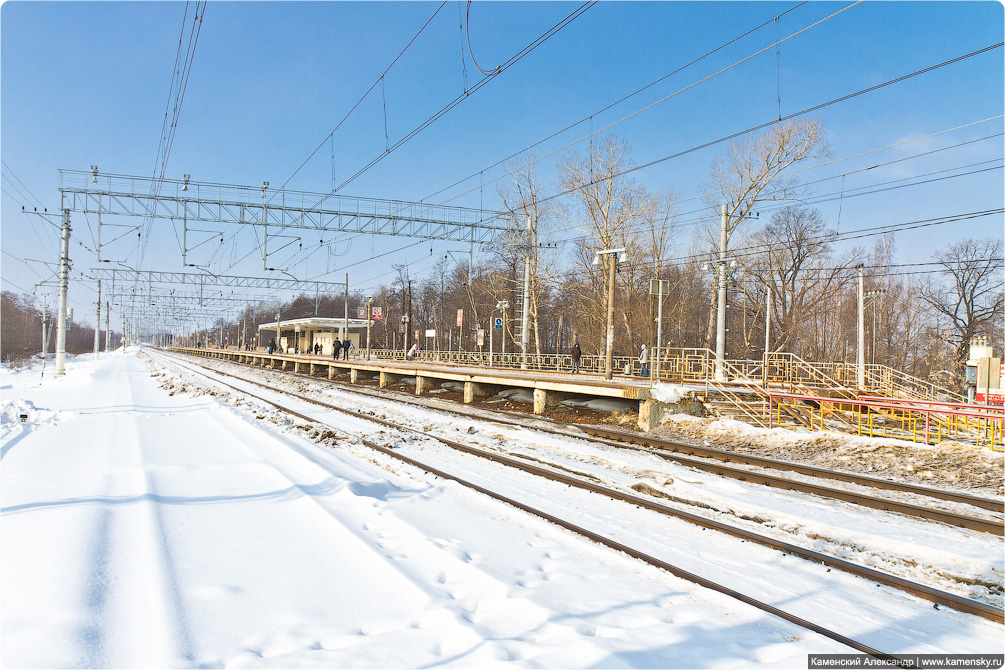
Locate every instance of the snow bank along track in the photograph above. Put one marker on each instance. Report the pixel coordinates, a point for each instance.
(936, 596)
(711, 460)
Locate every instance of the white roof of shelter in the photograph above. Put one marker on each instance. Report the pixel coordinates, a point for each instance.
(314, 323)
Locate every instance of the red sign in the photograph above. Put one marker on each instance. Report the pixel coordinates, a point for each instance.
(416, 334)
(460, 317)
(481, 337)
(996, 398)
(376, 313)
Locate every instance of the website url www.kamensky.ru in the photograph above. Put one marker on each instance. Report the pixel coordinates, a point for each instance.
(978, 661)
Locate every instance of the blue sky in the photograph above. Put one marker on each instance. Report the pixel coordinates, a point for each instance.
(85, 83)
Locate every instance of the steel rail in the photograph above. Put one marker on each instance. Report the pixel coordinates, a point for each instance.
(993, 527)
(936, 596)
(591, 535)
(775, 464)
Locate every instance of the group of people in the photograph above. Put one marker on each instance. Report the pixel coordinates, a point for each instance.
(345, 348)
(577, 353)
(338, 348)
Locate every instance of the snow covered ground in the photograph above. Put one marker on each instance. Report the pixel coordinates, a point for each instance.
(157, 521)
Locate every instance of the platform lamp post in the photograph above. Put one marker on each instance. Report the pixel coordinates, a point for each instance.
(616, 256)
(871, 296)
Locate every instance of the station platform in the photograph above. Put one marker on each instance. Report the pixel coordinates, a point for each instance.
(549, 388)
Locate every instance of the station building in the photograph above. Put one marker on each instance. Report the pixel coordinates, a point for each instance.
(302, 334)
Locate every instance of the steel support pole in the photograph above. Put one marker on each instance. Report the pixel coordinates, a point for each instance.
(720, 319)
(367, 326)
(659, 330)
(64, 278)
(609, 357)
(97, 323)
(861, 327)
(346, 306)
(108, 330)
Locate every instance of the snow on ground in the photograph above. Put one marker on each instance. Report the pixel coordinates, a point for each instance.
(952, 465)
(141, 527)
(944, 557)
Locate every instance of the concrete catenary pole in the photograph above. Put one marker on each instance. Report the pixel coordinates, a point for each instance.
(659, 329)
(97, 323)
(64, 278)
(861, 326)
(525, 317)
(609, 355)
(767, 322)
(108, 330)
(346, 306)
(720, 319)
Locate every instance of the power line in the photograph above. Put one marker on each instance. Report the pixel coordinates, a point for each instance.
(662, 100)
(358, 102)
(464, 96)
(611, 105)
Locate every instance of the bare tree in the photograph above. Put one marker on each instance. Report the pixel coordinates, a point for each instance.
(606, 206)
(797, 244)
(521, 198)
(969, 297)
(751, 173)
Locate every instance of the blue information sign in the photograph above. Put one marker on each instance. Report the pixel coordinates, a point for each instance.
(498, 322)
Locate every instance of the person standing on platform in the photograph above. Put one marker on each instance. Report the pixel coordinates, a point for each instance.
(337, 347)
(577, 353)
(346, 347)
(644, 360)
(411, 352)
(272, 346)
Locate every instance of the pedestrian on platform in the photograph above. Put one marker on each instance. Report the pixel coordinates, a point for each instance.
(411, 352)
(577, 353)
(346, 348)
(272, 346)
(317, 348)
(644, 360)
(337, 347)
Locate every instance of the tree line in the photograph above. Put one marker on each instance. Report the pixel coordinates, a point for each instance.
(21, 331)
(781, 267)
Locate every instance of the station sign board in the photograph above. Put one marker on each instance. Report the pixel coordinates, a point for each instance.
(498, 322)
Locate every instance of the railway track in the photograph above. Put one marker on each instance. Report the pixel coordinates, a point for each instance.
(709, 459)
(928, 593)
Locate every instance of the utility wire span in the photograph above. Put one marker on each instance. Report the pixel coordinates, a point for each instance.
(611, 105)
(358, 102)
(464, 96)
(169, 126)
(752, 250)
(662, 100)
(787, 117)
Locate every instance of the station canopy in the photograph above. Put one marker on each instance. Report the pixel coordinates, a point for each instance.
(314, 323)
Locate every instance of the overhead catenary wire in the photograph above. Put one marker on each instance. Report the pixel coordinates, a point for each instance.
(664, 99)
(477, 86)
(611, 105)
(358, 102)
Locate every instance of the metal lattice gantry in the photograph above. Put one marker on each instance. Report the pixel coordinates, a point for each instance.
(185, 201)
(200, 280)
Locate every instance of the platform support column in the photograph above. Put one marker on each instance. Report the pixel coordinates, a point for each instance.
(651, 413)
(543, 400)
(331, 370)
(353, 376)
(473, 391)
(422, 385)
(383, 380)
